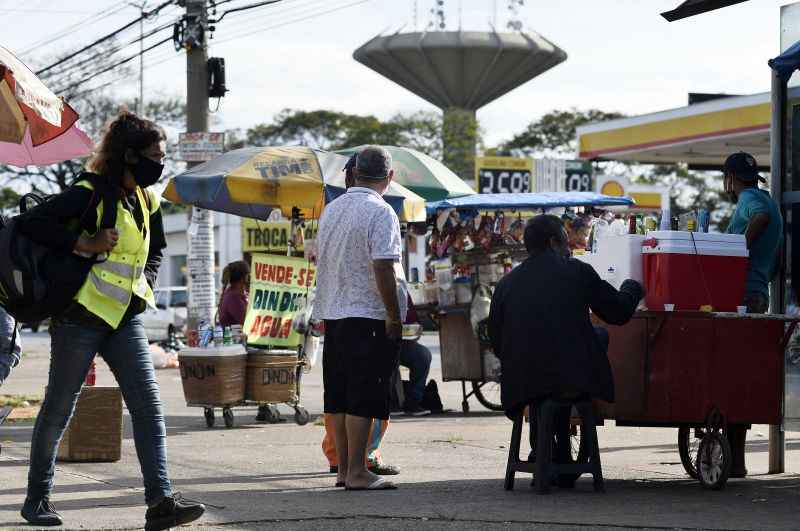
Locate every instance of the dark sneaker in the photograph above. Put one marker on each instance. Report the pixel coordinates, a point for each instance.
(417, 411)
(172, 512)
(40, 512)
(382, 469)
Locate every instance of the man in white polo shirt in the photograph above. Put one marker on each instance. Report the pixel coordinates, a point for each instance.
(359, 251)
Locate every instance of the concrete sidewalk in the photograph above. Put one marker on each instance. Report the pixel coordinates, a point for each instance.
(259, 476)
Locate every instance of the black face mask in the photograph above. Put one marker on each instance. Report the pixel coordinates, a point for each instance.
(146, 172)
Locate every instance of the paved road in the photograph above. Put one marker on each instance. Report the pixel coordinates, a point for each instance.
(259, 476)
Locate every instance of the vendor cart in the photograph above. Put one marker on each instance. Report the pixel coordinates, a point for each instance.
(465, 356)
(699, 372)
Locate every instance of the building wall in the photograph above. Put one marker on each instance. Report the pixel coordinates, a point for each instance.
(227, 245)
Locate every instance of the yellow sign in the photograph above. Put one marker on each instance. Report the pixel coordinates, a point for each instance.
(273, 236)
(279, 286)
(503, 174)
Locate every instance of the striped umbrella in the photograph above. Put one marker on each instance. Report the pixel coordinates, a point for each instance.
(251, 182)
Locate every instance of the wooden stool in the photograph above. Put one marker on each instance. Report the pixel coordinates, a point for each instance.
(540, 463)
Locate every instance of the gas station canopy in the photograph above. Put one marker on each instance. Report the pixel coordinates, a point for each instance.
(702, 134)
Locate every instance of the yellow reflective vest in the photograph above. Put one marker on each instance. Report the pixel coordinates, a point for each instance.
(110, 286)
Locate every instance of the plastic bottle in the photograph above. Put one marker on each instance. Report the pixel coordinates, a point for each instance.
(227, 338)
(218, 335)
(601, 230)
(666, 220)
(618, 227)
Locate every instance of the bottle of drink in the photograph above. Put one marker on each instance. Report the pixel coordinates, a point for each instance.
(675, 224)
(666, 220)
(91, 376)
(218, 335)
(632, 224)
(227, 338)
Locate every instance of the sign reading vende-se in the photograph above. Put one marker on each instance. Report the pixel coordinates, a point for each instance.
(278, 288)
(503, 174)
(200, 147)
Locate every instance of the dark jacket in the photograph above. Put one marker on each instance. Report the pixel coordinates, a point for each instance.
(541, 330)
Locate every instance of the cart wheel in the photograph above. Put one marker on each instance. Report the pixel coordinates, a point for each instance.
(688, 442)
(465, 406)
(488, 394)
(227, 414)
(209, 414)
(713, 461)
(301, 416)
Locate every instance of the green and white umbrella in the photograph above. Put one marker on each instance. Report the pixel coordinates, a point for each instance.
(423, 175)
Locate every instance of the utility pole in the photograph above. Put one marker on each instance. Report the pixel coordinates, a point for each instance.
(142, 6)
(200, 259)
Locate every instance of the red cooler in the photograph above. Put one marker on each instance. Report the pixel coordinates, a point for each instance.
(694, 269)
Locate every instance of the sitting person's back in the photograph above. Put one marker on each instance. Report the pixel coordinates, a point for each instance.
(540, 324)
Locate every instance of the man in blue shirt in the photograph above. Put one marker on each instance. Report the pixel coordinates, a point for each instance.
(758, 217)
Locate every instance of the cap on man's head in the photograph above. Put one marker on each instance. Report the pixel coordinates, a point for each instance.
(374, 162)
(743, 166)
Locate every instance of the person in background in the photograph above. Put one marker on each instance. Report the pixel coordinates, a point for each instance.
(375, 463)
(417, 358)
(105, 316)
(758, 217)
(358, 295)
(541, 329)
(578, 229)
(233, 300)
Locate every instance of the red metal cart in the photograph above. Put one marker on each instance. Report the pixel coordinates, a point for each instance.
(699, 372)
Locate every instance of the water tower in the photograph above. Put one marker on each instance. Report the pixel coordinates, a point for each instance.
(460, 72)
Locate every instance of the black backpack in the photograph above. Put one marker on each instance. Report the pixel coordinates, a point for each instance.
(37, 282)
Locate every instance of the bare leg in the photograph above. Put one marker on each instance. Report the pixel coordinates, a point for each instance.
(342, 447)
(358, 429)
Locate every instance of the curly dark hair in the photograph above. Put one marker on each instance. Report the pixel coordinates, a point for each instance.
(126, 131)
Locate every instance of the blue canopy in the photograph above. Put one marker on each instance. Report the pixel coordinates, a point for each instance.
(527, 201)
(787, 62)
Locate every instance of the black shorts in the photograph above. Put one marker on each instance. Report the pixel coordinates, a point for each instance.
(358, 362)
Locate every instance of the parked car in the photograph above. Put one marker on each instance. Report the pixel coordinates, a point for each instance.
(167, 320)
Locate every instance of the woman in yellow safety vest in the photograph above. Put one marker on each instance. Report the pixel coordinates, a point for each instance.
(105, 317)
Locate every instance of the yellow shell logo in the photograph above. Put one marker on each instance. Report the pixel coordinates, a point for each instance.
(612, 188)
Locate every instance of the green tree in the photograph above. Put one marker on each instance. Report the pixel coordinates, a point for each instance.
(9, 199)
(554, 133)
(332, 130)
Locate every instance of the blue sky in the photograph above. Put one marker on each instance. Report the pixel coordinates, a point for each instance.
(622, 55)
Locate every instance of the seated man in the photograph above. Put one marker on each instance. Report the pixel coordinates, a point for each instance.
(417, 359)
(540, 326)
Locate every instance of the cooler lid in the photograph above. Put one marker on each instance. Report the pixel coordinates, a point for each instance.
(213, 352)
(711, 237)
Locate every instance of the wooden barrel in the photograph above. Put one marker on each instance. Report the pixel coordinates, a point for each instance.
(213, 376)
(271, 378)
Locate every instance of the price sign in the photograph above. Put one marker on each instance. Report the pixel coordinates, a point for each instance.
(578, 176)
(503, 174)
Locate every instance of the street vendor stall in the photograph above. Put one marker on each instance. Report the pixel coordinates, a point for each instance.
(699, 372)
(477, 239)
(280, 340)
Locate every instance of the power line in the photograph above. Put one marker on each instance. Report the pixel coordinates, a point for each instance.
(308, 17)
(106, 37)
(111, 51)
(113, 66)
(97, 17)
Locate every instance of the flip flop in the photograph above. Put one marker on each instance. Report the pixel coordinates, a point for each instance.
(378, 484)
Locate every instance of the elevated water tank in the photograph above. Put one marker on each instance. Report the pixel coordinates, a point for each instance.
(459, 72)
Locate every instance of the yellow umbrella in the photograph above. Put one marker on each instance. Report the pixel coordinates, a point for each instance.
(250, 182)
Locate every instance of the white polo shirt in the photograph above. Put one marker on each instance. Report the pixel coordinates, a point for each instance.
(355, 229)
